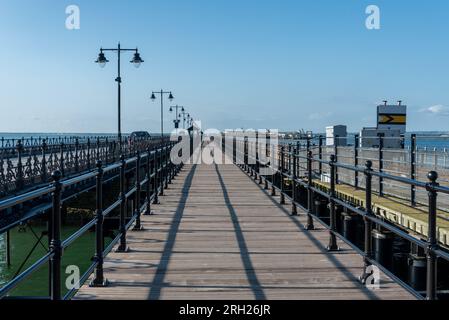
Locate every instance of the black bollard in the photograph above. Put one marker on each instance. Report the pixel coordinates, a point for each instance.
(417, 272)
(383, 247)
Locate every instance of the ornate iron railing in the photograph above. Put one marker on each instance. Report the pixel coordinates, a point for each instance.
(158, 171)
(27, 164)
(300, 169)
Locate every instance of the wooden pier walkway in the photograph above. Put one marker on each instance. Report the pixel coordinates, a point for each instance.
(218, 235)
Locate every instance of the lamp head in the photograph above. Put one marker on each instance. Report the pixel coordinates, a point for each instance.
(137, 60)
(153, 97)
(101, 60)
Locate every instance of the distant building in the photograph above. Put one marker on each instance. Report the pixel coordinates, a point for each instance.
(336, 135)
(391, 127)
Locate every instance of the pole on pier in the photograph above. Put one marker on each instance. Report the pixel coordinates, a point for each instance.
(294, 185)
(149, 170)
(137, 212)
(333, 218)
(381, 162)
(123, 201)
(281, 174)
(44, 161)
(55, 242)
(431, 283)
(368, 224)
(309, 225)
(413, 169)
(155, 176)
(99, 280)
(356, 160)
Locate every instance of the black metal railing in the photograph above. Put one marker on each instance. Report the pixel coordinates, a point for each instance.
(25, 164)
(286, 163)
(157, 169)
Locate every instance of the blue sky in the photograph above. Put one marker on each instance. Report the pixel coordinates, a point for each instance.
(261, 64)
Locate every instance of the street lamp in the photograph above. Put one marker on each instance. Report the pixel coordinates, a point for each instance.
(176, 121)
(183, 116)
(188, 120)
(136, 61)
(170, 97)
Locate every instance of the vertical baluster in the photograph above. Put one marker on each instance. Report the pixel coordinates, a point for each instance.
(294, 185)
(149, 170)
(368, 224)
(77, 150)
(62, 159)
(273, 169)
(281, 175)
(356, 160)
(137, 212)
(99, 280)
(309, 225)
(44, 161)
(413, 169)
(333, 218)
(123, 204)
(55, 242)
(19, 174)
(381, 162)
(432, 240)
(156, 176)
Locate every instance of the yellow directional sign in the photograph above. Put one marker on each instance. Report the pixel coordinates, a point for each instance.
(399, 119)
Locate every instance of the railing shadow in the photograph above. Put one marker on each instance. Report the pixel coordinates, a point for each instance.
(251, 275)
(158, 280)
(330, 256)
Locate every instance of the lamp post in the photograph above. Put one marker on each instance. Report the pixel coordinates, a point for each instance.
(177, 114)
(170, 97)
(183, 113)
(136, 61)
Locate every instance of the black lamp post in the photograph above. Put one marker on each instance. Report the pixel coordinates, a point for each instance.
(183, 115)
(176, 121)
(136, 61)
(170, 97)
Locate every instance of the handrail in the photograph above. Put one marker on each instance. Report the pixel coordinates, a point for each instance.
(284, 164)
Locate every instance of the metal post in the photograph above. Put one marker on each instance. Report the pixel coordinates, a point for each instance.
(161, 169)
(381, 162)
(320, 154)
(44, 161)
(137, 212)
(368, 224)
(55, 242)
(61, 160)
(99, 280)
(431, 287)
(333, 219)
(119, 98)
(76, 160)
(273, 172)
(149, 170)
(155, 177)
(88, 154)
(20, 175)
(413, 169)
(309, 225)
(281, 175)
(356, 160)
(122, 247)
(294, 185)
(336, 141)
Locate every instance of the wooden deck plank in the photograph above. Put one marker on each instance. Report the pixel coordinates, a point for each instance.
(217, 235)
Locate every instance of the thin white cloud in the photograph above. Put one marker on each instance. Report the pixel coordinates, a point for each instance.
(320, 115)
(438, 109)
